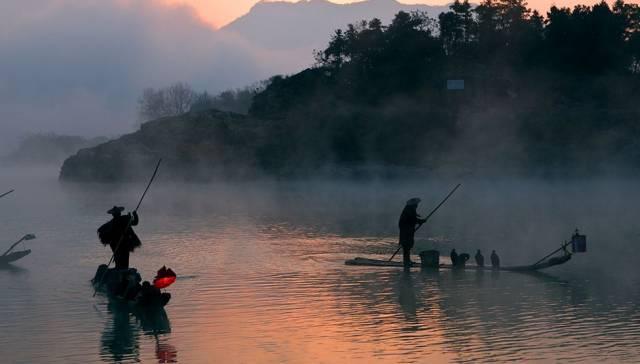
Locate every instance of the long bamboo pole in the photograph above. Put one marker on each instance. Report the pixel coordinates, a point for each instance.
(428, 216)
(566, 243)
(26, 237)
(136, 210)
(155, 172)
(13, 246)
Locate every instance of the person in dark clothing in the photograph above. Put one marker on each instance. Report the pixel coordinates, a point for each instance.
(495, 260)
(454, 257)
(119, 235)
(479, 259)
(462, 259)
(407, 224)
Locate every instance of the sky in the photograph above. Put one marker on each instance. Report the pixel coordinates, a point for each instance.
(220, 12)
(77, 67)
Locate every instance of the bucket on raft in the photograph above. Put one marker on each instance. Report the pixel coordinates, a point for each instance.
(578, 243)
(430, 259)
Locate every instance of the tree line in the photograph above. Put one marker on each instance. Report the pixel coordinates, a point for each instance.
(180, 98)
(553, 91)
(543, 94)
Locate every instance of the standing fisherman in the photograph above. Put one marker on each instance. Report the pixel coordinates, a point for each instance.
(479, 259)
(407, 224)
(495, 260)
(119, 235)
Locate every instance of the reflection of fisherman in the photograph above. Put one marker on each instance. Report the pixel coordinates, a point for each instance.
(119, 231)
(407, 296)
(407, 224)
(479, 259)
(120, 340)
(495, 260)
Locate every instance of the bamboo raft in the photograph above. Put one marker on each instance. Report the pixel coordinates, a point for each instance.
(9, 256)
(12, 257)
(547, 262)
(520, 268)
(124, 286)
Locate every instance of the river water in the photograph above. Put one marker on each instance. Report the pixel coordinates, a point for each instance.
(262, 276)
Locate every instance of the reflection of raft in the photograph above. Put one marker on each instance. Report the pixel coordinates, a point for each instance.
(125, 286)
(534, 267)
(522, 268)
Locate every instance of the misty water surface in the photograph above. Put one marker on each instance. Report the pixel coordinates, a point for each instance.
(262, 278)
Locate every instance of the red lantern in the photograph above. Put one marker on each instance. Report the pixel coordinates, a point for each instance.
(163, 282)
(164, 278)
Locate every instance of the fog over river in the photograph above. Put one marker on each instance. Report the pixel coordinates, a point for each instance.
(261, 274)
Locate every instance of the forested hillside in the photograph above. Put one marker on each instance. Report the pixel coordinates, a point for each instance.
(539, 92)
(532, 95)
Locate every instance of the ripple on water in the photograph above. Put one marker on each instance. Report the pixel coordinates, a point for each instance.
(268, 284)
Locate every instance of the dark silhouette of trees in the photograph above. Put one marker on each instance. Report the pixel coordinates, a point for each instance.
(563, 84)
(180, 98)
(457, 27)
(237, 101)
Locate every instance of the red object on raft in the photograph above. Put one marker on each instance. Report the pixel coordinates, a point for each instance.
(163, 282)
(164, 278)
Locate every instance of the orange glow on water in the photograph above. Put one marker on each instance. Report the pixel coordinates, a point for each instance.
(332, 331)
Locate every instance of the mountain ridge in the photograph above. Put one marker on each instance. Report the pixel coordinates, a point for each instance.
(307, 25)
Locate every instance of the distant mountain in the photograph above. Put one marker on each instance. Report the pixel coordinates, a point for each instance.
(308, 24)
(49, 148)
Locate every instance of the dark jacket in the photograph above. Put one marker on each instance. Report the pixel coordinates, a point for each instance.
(119, 228)
(407, 224)
(119, 231)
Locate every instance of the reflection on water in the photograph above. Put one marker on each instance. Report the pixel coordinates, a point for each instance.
(165, 352)
(12, 269)
(488, 316)
(120, 341)
(407, 296)
(262, 277)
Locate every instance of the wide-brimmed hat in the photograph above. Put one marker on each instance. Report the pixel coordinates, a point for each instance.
(115, 209)
(413, 202)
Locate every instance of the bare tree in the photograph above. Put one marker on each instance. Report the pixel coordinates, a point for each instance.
(151, 104)
(178, 98)
(169, 101)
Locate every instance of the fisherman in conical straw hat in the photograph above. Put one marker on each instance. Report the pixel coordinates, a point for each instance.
(409, 219)
(119, 235)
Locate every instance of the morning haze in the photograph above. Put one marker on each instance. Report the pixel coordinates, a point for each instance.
(78, 68)
(276, 182)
